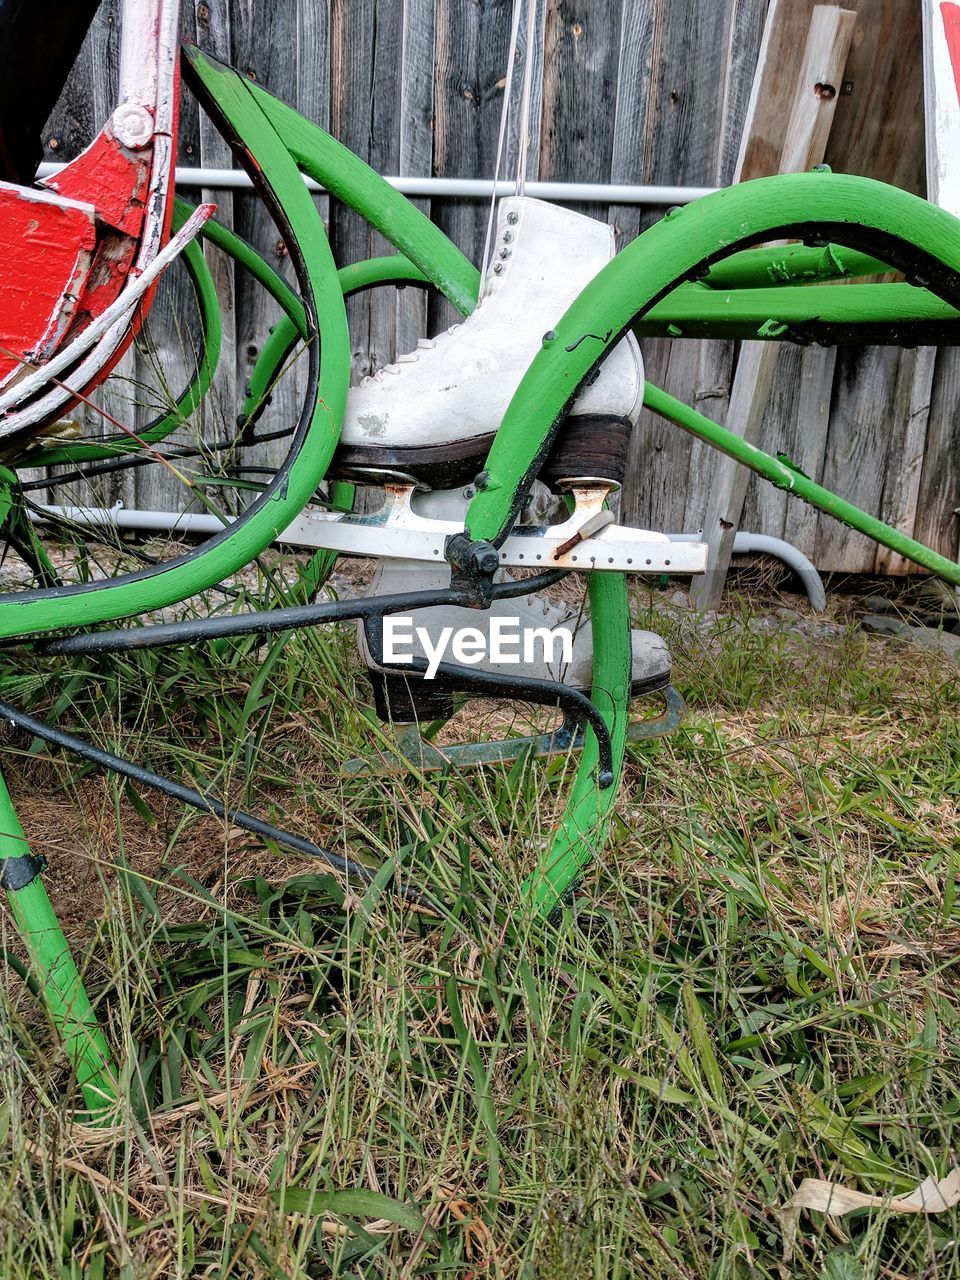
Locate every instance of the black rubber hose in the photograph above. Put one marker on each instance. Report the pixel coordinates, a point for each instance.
(187, 795)
(267, 621)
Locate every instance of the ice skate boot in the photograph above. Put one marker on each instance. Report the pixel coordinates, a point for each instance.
(433, 413)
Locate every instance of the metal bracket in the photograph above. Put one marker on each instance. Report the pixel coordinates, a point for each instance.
(17, 873)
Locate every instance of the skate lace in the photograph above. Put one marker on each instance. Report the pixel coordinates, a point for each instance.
(408, 357)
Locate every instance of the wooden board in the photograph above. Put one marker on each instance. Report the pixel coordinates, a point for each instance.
(415, 144)
(805, 131)
(679, 113)
(878, 130)
(878, 126)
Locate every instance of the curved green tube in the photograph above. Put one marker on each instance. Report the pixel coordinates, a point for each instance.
(229, 99)
(916, 236)
(693, 311)
(50, 959)
(582, 829)
(791, 264)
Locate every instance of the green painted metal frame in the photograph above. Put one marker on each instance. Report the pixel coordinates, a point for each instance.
(907, 232)
(707, 242)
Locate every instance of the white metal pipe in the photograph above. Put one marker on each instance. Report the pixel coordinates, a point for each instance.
(198, 523)
(121, 517)
(765, 544)
(468, 188)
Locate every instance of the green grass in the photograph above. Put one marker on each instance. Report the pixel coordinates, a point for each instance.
(757, 983)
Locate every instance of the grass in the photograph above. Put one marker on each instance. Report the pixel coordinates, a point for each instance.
(757, 982)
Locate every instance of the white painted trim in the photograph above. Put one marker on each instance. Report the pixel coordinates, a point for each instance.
(941, 99)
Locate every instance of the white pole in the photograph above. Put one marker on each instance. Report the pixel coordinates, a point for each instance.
(466, 188)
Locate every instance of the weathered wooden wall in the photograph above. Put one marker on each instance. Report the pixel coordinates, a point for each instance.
(647, 91)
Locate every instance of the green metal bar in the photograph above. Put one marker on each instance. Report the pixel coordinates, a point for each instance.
(348, 179)
(51, 961)
(916, 236)
(791, 264)
(582, 828)
(693, 311)
(784, 476)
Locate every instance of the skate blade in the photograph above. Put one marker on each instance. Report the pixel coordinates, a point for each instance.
(410, 751)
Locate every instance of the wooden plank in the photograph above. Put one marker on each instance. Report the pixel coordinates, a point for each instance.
(713, 374)
(909, 418)
(670, 129)
(878, 131)
(535, 55)
(858, 451)
(582, 54)
(418, 50)
(213, 34)
(781, 431)
(743, 54)
(804, 139)
(878, 124)
(815, 102)
(471, 57)
(632, 110)
(878, 127)
(817, 370)
(166, 348)
(937, 522)
(912, 397)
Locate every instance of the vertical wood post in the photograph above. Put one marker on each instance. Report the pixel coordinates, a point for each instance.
(828, 42)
